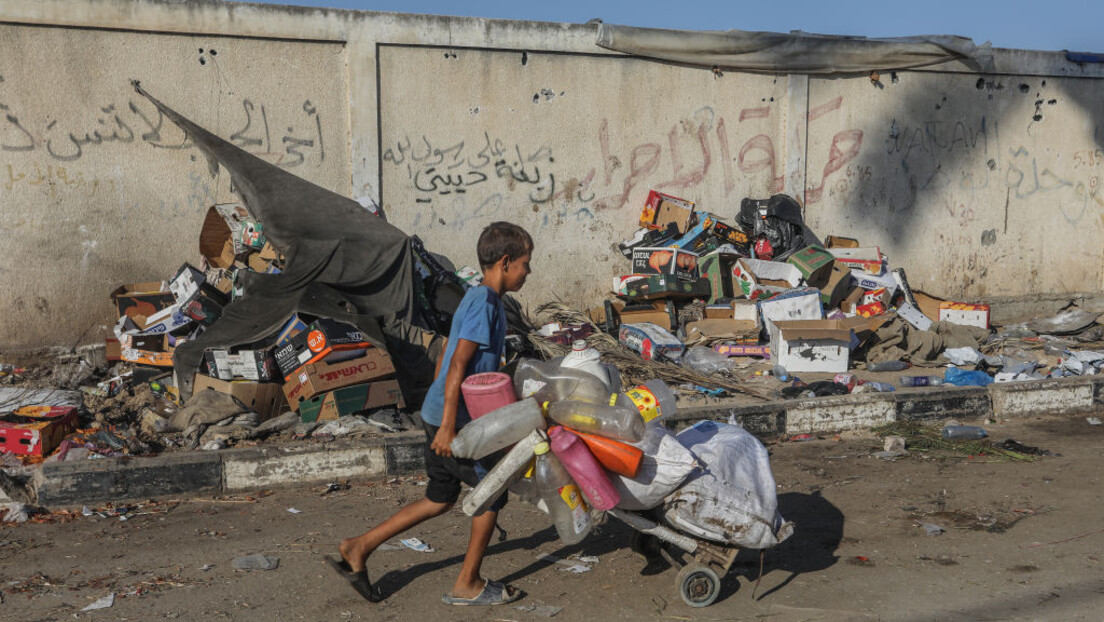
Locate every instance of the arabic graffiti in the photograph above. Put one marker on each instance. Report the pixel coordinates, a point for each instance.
(134, 123)
(53, 179)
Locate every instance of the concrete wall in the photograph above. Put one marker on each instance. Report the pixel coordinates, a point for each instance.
(979, 185)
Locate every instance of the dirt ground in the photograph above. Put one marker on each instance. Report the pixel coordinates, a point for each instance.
(1022, 540)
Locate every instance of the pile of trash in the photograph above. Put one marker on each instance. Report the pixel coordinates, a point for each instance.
(765, 296)
(607, 450)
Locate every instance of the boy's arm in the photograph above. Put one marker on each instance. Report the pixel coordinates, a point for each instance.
(458, 367)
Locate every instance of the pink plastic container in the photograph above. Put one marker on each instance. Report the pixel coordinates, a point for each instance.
(584, 468)
(487, 392)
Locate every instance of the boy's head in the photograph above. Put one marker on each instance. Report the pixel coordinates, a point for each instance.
(504, 246)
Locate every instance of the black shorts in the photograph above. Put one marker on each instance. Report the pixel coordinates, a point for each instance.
(446, 473)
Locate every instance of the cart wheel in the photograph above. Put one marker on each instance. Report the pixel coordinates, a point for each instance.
(645, 545)
(698, 585)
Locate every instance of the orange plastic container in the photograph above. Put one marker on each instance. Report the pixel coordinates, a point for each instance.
(615, 456)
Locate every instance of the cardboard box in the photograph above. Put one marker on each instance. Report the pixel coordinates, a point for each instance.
(717, 269)
(659, 312)
(852, 299)
(351, 400)
(661, 209)
(811, 345)
(648, 237)
(186, 282)
(142, 299)
(699, 237)
(256, 365)
(653, 286)
(162, 322)
(152, 350)
(264, 398)
(730, 235)
(837, 286)
(718, 312)
(293, 327)
(315, 378)
(324, 340)
(913, 316)
(759, 279)
(798, 304)
(721, 329)
(37, 430)
(929, 305)
(836, 241)
(113, 351)
(963, 313)
(867, 258)
(664, 260)
(220, 238)
(742, 350)
(815, 264)
(872, 281)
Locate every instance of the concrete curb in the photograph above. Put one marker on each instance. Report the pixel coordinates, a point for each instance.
(251, 468)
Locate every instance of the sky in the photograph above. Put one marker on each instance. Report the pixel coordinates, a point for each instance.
(1055, 25)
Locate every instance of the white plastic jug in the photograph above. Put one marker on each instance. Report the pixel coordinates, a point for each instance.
(586, 358)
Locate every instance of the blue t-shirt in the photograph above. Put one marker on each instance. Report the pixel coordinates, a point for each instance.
(480, 318)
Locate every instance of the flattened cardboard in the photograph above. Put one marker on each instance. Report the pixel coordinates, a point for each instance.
(113, 351)
(743, 350)
(264, 398)
(929, 305)
(315, 378)
(872, 281)
(811, 345)
(147, 357)
(721, 329)
(913, 316)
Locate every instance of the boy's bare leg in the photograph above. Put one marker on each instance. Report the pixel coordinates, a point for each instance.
(355, 551)
(469, 584)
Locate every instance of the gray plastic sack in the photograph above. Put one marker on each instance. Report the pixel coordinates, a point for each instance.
(665, 466)
(733, 499)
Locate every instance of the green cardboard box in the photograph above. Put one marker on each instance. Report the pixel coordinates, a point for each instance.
(350, 400)
(815, 264)
(666, 286)
(717, 269)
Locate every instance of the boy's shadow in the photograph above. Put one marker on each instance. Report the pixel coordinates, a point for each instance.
(595, 544)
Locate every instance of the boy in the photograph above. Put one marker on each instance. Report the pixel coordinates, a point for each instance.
(476, 344)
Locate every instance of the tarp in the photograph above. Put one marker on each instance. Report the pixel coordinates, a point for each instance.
(341, 262)
(796, 52)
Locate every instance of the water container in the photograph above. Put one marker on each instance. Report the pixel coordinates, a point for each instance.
(874, 387)
(920, 381)
(508, 470)
(498, 429)
(616, 421)
(653, 400)
(486, 392)
(559, 492)
(614, 456)
(584, 469)
(549, 382)
(585, 358)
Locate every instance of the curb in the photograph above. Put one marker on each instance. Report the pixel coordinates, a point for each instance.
(232, 470)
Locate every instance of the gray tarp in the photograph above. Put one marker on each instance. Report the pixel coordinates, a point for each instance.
(341, 262)
(797, 52)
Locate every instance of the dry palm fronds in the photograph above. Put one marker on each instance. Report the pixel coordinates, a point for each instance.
(923, 437)
(633, 368)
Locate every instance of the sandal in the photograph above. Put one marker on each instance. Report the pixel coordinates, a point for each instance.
(493, 593)
(359, 580)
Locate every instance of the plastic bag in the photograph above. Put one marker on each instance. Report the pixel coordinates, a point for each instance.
(775, 226)
(733, 500)
(706, 360)
(665, 466)
(963, 378)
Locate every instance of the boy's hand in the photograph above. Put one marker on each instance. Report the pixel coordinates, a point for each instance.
(442, 441)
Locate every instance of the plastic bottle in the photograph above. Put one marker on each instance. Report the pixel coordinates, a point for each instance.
(920, 381)
(508, 470)
(609, 420)
(526, 490)
(654, 400)
(874, 387)
(559, 492)
(780, 373)
(584, 469)
(550, 382)
(585, 358)
(498, 429)
(964, 432)
(615, 456)
(888, 366)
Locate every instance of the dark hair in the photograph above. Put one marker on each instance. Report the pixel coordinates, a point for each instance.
(502, 239)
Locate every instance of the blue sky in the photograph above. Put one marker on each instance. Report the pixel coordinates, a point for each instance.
(1054, 25)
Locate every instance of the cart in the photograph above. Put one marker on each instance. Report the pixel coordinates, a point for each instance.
(698, 581)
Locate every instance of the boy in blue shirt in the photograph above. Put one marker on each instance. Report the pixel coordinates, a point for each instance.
(476, 344)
